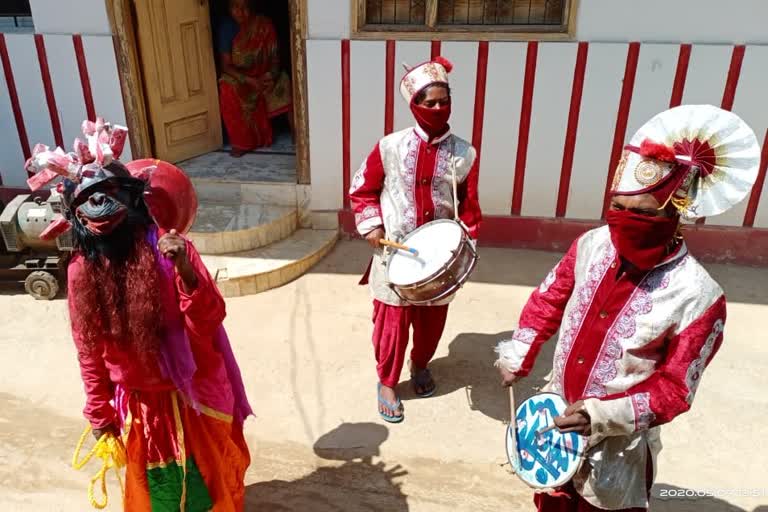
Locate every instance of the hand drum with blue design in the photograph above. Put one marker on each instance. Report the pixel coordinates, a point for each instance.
(548, 459)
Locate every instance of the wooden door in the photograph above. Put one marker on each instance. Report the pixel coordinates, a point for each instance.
(176, 51)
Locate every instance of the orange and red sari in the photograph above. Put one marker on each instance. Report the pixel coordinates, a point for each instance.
(245, 109)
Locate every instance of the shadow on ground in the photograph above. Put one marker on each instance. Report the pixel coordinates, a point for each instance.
(469, 367)
(669, 498)
(358, 484)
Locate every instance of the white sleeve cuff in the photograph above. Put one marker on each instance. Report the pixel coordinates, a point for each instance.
(511, 354)
(369, 225)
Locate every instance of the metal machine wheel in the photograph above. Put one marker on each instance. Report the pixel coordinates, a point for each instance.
(42, 285)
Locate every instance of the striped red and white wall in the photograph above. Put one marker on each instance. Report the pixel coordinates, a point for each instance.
(549, 119)
(49, 85)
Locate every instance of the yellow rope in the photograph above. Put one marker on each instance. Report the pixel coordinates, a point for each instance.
(182, 449)
(111, 451)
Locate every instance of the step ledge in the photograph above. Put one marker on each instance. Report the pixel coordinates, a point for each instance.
(276, 271)
(261, 235)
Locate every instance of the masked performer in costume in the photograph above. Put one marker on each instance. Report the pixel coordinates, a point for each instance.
(639, 318)
(146, 317)
(405, 182)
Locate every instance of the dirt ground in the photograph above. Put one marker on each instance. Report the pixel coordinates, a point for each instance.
(317, 443)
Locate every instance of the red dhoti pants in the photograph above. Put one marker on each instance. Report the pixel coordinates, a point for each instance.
(391, 327)
(570, 501)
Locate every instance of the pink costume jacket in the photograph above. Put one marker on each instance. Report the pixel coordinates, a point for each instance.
(634, 347)
(108, 365)
(406, 182)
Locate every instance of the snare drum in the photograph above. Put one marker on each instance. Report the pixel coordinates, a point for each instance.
(446, 258)
(543, 461)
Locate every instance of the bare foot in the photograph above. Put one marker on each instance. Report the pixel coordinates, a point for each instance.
(237, 153)
(389, 395)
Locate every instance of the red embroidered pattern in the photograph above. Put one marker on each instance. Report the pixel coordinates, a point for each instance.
(408, 201)
(549, 280)
(368, 213)
(693, 375)
(525, 335)
(583, 296)
(625, 326)
(358, 180)
(644, 416)
(443, 204)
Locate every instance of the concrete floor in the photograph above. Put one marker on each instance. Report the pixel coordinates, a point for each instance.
(317, 442)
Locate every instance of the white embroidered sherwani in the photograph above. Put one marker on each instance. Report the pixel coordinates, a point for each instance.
(632, 346)
(406, 182)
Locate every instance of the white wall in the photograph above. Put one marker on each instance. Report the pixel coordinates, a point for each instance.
(328, 19)
(70, 16)
(702, 21)
(654, 81)
(690, 21)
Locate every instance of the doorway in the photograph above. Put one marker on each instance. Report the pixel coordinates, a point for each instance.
(176, 51)
(251, 45)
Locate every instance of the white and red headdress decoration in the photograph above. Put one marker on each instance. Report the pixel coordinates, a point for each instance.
(103, 144)
(701, 158)
(424, 75)
(167, 190)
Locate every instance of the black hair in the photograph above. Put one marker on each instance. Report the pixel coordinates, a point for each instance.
(419, 98)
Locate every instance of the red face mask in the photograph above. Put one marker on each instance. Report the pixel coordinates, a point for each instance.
(434, 121)
(639, 239)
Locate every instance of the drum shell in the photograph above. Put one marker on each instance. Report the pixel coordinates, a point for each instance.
(446, 281)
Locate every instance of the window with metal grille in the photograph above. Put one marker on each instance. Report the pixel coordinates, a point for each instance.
(463, 16)
(15, 16)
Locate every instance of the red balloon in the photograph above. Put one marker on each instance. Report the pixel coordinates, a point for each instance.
(170, 195)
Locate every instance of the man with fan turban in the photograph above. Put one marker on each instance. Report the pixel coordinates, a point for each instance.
(146, 318)
(639, 318)
(405, 182)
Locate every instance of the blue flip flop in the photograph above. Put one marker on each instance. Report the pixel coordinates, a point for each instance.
(397, 405)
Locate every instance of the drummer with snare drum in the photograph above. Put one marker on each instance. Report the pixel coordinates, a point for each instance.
(411, 178)
(639, 318)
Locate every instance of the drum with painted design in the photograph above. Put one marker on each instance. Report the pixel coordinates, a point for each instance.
(543, 460)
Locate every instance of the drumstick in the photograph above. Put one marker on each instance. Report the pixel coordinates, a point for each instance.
(545, 430)
(513, 426)
(396, 245)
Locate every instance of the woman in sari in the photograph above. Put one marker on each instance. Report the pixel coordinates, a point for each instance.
(252, 88)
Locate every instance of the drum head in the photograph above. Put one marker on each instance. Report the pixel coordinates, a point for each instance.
(434, 241)
(548, 460)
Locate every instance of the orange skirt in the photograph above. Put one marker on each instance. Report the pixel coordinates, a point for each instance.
(180, 458)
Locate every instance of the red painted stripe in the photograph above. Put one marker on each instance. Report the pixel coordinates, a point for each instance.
(14, 97)
(711, 244)
(627, 87)
(389, 92)
(729, 93)
(345, 119)
(45, 73)
(680, 75)
(573, 125)
(737, 57)
(482, 73)
(435, 50)
(85, 79)
(525, 126)
(757, 189)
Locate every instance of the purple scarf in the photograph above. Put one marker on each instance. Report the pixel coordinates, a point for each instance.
(176, 360)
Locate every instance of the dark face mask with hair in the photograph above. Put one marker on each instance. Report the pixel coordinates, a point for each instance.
(106, 224)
